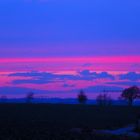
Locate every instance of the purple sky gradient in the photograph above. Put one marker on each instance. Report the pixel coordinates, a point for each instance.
(93, 35)
(67, 28)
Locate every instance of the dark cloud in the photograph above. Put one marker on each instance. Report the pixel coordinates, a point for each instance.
(125, 83)
(87, 75)
(132, 76)
(42, 77)
(32, 81)
(33, 74)
(35, 77)
(45, 77)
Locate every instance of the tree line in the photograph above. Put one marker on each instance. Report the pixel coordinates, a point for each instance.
(129, 94)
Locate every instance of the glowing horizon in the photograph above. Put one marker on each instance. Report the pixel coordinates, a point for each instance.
(99, 59)
(63, 46)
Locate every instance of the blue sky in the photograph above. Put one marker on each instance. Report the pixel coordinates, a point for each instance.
(46, 25)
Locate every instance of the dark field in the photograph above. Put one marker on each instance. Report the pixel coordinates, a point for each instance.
(54, 122)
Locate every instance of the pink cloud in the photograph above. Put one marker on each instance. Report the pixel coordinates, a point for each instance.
(64, 64)
(106, 59)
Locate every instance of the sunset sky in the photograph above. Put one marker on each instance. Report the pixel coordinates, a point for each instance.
(57, 47)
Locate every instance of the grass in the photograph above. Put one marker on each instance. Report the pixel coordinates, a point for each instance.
(41, 121)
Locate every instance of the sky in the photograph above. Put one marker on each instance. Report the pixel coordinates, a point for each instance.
(57, 47)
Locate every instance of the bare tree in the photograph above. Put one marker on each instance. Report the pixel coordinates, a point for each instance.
(130, 94)
(82, 98)
(104, 100)
(29, 97)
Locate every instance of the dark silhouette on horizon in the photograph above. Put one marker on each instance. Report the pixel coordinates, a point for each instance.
(29, 97)
(82, 98)
(104, 100)
(130, 94)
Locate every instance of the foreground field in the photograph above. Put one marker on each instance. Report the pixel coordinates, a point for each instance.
(52, 121)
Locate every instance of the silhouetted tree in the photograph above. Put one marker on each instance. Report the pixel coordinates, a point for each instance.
(29, 97)
(104, 100)
(130, 94)
(82, 98)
